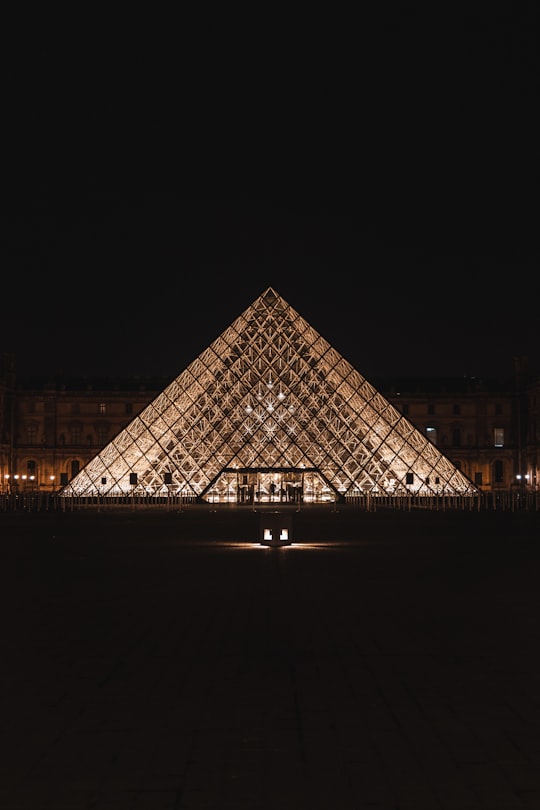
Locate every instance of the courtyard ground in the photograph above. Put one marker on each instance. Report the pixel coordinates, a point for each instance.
(166, 660)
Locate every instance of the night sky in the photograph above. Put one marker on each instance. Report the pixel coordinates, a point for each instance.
(387, 200)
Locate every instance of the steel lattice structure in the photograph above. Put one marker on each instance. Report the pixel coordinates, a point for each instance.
(269, 410)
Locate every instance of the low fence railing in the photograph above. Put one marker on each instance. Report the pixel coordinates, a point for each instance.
(501, 501)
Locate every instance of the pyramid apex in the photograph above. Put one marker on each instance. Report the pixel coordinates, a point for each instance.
(270, 295)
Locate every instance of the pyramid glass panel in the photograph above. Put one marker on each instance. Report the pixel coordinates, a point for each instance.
(269, 412)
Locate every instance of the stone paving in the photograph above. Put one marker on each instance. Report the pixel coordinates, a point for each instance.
(170, 662)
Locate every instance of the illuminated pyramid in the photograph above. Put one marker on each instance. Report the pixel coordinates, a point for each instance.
(269, 412)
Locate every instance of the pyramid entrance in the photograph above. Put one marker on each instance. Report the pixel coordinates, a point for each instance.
(277, 486)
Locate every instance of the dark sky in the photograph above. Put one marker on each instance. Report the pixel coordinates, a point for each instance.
(105, 282)
(391, 201)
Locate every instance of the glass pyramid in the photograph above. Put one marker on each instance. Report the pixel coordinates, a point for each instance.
(269, 411)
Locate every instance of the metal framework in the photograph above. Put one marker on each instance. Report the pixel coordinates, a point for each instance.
(269, 411)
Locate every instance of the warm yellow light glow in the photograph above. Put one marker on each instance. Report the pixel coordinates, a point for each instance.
(295, 546)
(255, 544)
(309, 404)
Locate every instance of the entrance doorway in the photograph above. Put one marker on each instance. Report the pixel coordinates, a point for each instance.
(278, 486)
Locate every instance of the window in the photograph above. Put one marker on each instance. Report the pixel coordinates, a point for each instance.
(478, 479)
(101, 431)
(405, 408)
(498, 409)
(129, 407)
(103, 407)
(74, 468)
(31, 434)
(456, 437)
(498, 437)
(75, 407)
(456, 410)
(498, 476)
(431, 408)
(75, 434)
(431, 433)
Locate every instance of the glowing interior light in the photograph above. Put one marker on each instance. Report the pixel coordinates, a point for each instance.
(268, 535)
(352, 453)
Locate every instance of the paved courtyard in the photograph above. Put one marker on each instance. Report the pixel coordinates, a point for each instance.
(169, 661)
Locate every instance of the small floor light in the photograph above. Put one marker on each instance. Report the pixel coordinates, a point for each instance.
(275, 529)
